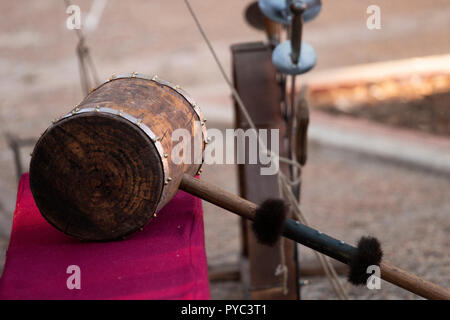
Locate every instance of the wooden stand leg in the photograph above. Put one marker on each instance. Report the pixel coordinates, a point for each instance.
(255, 80)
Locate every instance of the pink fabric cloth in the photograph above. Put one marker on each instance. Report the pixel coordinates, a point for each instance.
(165, 261)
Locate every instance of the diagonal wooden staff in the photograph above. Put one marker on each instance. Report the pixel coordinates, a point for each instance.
(312, 238)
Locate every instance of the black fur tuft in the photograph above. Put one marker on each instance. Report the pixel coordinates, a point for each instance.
(369, 253)
(269, 221)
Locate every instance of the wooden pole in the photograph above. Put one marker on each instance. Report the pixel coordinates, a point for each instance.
(247, 209)
(413, 283)
(219, 197)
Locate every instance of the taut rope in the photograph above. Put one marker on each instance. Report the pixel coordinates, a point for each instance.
(285, 182)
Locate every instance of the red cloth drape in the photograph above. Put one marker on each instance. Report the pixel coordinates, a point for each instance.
(165, 261)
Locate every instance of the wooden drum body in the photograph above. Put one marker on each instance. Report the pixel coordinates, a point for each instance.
(102, 171)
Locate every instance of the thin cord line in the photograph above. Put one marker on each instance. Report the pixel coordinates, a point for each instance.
(324, 261)
(85, 61)
(337, 286)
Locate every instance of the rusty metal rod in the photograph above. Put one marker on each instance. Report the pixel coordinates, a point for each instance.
(312, 238)
(297, 9)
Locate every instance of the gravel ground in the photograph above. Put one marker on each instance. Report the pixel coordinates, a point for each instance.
(348, 196)
(344, 194)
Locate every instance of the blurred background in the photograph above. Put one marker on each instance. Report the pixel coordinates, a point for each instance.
(379, 156)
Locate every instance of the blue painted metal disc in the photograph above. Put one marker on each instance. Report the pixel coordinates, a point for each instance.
(278, 10)
(281, 58)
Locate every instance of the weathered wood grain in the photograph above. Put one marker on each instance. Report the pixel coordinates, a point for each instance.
(97, 176)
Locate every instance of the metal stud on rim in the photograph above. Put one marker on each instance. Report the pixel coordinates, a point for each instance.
(177, 88)
(138, 122)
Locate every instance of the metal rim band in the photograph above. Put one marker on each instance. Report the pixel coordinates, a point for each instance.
(176, 88)
(141, 125)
